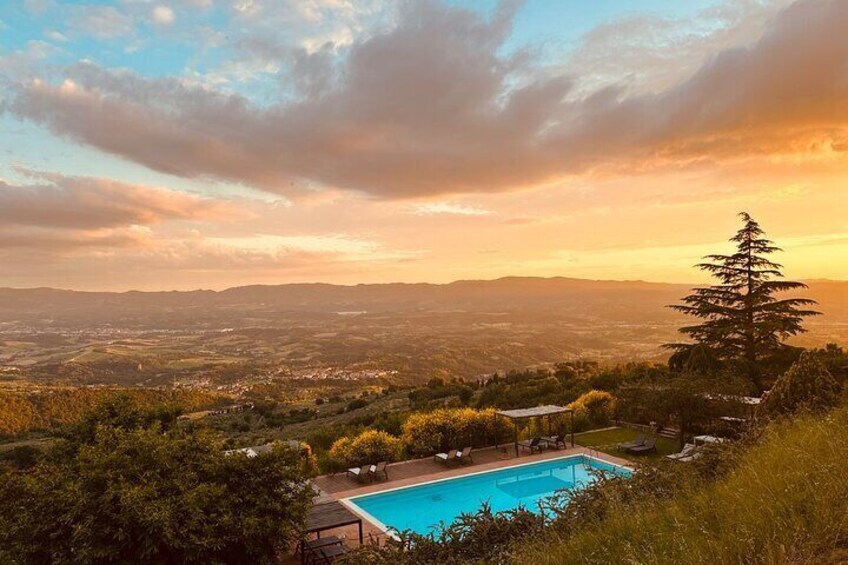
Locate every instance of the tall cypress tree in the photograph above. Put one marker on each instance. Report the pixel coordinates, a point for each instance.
(742, 320)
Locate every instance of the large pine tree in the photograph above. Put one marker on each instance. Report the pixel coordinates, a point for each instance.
(742, 320)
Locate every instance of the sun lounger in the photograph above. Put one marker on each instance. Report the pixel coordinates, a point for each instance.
(307, 546)
(693, 452)
(640, 440)
(464, 456)
(688, 450)
(534, 444)
(379, 469)
(449, 457)
(310, 550)
(360, 473)
(692, 457)
(555, 441)
(647, 447)
(328, 554)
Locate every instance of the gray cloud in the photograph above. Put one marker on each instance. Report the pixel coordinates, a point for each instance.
(431, 106)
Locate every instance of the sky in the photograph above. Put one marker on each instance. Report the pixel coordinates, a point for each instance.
(182, 144)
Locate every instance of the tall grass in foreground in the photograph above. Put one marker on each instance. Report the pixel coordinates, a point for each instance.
(785, 503)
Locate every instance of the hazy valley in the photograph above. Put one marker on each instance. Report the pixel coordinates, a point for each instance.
(302, 338)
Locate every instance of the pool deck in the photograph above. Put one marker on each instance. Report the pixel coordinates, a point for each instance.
(407, 473)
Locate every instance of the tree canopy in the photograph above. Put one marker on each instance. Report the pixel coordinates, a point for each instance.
(807, 385)
(742, 319)
(133, 492)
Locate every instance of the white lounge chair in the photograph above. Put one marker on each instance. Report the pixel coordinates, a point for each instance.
(360, 473)
(688, 453)
(464, 456)
(449, 457)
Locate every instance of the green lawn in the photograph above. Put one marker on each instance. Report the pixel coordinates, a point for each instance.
(608, 440)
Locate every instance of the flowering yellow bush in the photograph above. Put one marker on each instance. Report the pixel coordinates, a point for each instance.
(596, 407)
(371, 446)
(425, 433)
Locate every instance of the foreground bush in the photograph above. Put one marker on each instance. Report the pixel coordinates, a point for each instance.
(145, 495)
(806, 386)
(784, 501)
(371, 446)
(425, 433)
(483, 536)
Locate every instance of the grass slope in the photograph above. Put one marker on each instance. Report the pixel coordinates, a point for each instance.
(786, 502)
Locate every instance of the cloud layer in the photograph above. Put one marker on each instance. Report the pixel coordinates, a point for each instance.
(97, 228)
(432, 107)
(61, 213)
(419, 141)
(66, 202)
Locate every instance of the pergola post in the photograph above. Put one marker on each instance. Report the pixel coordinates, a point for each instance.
(572, 429)
(515, 426)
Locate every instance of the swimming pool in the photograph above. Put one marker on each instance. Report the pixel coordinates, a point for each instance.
(421, 507)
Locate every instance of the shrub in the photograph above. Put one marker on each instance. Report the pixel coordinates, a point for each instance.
(21, 457)
(836, 360)
(322, 438)
(483, 536)
(596, 407)
(308, 460)
(146, 495)
(370, 446)
(356, 404)
(390, 422)
(807, 385)
(425, 433)
(465, 394)
(440, 393)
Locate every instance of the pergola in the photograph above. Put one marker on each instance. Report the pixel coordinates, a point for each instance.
(537, 412)
(750, 402)
(329, 516)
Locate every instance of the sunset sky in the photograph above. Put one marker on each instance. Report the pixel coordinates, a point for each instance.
(182, 144)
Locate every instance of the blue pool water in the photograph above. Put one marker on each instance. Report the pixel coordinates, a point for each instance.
(420, 508)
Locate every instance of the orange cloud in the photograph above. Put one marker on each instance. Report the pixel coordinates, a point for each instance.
(410, 116)
(60, 242)
(82, 203)
(64, 215)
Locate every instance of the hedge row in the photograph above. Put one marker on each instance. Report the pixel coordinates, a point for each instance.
(426, 433)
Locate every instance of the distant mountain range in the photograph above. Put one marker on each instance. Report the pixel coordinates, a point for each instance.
(410, 331)
(566, 298)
